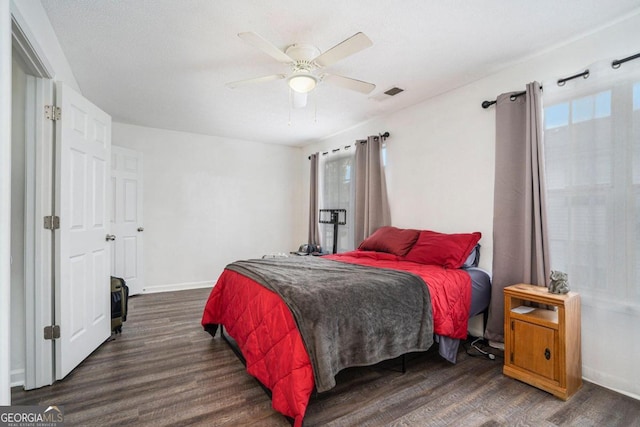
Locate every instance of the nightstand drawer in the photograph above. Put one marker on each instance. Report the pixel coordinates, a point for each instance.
(534, 349)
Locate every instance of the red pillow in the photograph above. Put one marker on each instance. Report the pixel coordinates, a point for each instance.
(447, 250)
(389, 239)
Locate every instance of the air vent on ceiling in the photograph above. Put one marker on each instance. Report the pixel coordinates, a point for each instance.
(393, 91)
(387, 94)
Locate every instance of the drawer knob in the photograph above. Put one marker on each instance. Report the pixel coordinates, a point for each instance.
(547, 353)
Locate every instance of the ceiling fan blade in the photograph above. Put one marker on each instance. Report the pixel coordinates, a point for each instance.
(298, 99)
(349, 83)
(348, 47)
(266, 46)
(233, 85)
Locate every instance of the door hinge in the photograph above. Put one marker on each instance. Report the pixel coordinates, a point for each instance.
(51, 112)
(52, 332)
(51, 222)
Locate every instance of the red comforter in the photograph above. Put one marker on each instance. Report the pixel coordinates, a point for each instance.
(266, 331)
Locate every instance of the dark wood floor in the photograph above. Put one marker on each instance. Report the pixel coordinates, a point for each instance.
(165, 370)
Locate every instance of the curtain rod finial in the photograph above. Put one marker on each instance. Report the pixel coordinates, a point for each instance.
(487, 104)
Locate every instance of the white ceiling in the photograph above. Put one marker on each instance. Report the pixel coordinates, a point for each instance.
(164, 63)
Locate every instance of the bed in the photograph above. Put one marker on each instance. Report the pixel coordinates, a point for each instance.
(299, 320)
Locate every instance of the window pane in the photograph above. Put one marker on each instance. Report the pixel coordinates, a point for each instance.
(556, 116)
(384, 155)
(603, 104)
(592, 162)
(590, 107)
(636, 274)
(338, 194)
(558, 157)
(592, 152)
(582, 109)
(635, 136)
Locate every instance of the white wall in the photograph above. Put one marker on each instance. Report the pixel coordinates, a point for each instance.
(209, 201)
(440, 156)
(441, 170)
(34, 21)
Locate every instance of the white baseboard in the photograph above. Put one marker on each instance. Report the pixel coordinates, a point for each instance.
(620, 385)
(495, 344)
(17, 377)
(170, 287)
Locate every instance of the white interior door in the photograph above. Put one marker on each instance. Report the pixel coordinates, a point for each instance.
(82, 259)
(126, 218)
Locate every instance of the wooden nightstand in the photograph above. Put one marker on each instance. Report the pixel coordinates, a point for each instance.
(542, 346)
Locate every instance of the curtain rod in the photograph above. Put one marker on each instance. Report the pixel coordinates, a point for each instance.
(615, 64)
(584, 74)
(487, 104)
(383, 135)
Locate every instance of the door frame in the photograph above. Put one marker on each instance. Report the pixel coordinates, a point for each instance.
(39, 176)
(5, 205)
(39, 283)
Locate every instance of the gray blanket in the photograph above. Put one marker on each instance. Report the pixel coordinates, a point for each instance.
(347, 315)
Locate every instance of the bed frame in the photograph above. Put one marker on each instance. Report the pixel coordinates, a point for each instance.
(236, 350)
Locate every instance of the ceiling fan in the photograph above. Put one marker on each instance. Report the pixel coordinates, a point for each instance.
(305, 61)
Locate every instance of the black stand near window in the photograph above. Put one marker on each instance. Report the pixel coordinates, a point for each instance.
(336, 217)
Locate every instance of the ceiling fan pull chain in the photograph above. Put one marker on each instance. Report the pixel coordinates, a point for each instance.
(290, 105)
(315, 108)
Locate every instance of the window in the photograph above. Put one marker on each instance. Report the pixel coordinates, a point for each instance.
(337, 192)
(592, 160)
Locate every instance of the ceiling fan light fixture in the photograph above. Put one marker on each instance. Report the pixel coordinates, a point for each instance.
(303, 82)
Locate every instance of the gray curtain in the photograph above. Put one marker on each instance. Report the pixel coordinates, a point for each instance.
(372, 206)
(314, 234)
(520, 238)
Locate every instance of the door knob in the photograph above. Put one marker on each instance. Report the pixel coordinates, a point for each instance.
(110, 237)
(140, 229)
